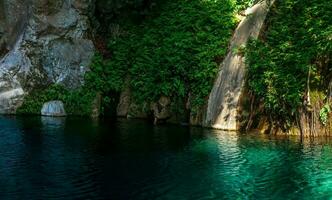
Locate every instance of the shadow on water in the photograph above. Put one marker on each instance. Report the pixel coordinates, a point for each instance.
(72, 158)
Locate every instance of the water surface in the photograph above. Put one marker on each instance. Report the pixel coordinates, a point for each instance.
(46, 158)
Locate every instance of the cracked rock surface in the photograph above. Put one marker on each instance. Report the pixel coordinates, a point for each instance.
(42, 42)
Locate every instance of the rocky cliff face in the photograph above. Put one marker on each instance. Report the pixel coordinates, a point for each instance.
(224, 100)
(42, 42)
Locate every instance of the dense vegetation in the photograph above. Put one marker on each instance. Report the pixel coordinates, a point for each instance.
(292, 57)
(173, 48)
(159, 48)
(167, 48)
(174, 52)
(76, 102)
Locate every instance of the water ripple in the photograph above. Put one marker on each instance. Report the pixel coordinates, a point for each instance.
(42, 158)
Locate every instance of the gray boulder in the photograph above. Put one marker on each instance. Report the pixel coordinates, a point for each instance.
(161, 109)
(53, 109)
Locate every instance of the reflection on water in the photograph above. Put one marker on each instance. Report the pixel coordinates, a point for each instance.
(67, 158)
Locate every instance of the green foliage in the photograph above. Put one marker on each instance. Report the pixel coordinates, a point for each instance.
(324, 114)
(299, 33)
(175, 52)
(77, 102)
(106, 75)
(244, 4)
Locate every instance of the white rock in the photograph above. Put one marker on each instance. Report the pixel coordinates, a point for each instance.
(54, 109)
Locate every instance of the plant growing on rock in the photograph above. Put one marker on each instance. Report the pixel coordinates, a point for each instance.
(297, 39)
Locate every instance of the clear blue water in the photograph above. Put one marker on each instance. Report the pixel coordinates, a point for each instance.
(45, 158)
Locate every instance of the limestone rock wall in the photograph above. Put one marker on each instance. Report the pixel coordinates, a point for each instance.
(224, 100)
(42, 42)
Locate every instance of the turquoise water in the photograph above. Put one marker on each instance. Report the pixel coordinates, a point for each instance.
(45, 158)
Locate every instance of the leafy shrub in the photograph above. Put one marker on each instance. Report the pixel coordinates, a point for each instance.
(175, 52)
(299, 34)
(324, 114)
(77, 102)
